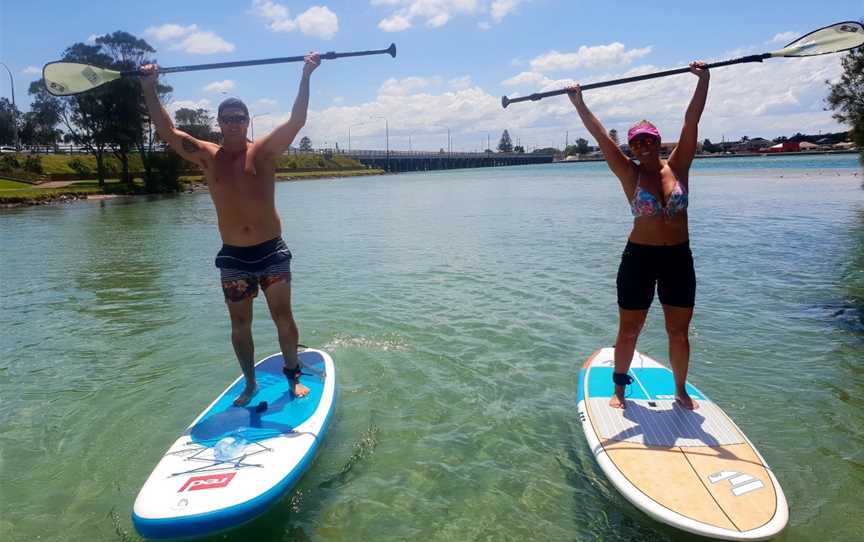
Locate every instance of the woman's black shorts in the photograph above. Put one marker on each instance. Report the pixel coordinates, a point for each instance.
(670, 268)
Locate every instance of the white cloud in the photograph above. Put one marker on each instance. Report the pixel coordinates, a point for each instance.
(588, 57)
(484, 25)
(267, 102)
(460, 83)
(204, 43)
(317, 21)
(777, 97)
(502, 8)
(785, 37)
(31, 70)
(189, 39)
(168, 32)
(394, 23)
(434, 13)
(91, 39)
(220, 86)
(524, 78)
(403, 87)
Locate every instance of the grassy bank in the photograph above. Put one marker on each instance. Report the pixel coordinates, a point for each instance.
(85, 164)
(14, 193)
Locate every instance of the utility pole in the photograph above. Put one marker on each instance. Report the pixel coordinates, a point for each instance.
(14, 108)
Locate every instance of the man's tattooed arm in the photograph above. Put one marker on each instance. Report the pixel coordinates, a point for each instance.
(189, 145)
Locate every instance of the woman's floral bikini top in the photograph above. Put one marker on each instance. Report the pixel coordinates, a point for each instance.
(645, 204)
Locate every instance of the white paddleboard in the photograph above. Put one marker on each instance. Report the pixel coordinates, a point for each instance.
(692, 469)
(193, 492)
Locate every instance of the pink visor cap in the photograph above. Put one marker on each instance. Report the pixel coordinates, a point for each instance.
(642, 128)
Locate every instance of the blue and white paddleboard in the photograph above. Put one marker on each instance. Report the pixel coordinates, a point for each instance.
(195, 491)
(692, 469)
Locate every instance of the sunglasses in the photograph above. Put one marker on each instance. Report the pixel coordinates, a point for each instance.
(644, 140)
(235, 119)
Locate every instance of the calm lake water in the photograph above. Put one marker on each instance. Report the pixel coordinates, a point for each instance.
(458, 306)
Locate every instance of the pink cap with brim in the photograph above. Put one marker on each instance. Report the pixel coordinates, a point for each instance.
(642, 128)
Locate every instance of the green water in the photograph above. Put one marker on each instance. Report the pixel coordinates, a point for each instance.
(458, 306)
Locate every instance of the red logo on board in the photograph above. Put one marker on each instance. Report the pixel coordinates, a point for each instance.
(212, 481)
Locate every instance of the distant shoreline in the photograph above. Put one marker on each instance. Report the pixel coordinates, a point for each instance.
(191, 186)
(737, 155)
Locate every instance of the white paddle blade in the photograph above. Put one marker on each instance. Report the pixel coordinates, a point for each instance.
(68, 78)
(831, 39)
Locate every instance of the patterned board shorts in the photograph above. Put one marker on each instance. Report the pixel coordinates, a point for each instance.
(244, 269)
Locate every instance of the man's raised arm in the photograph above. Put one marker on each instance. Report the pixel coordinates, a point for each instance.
(185, 145)
(278, 141)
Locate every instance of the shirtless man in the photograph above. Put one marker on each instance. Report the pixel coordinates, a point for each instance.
(241, 176)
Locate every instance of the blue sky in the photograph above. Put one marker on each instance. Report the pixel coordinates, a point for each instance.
(456, 58)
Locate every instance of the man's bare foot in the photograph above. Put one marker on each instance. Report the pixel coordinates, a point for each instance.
(248, 392)
(685, 401)
(298, 390)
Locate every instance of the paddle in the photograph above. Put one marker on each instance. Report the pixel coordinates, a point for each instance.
(68, 78)
(831, 39)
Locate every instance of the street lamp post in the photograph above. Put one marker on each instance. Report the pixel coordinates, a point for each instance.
(252, 123)
(349, 133)
(14, 108)
(386, 138)
(449, 148)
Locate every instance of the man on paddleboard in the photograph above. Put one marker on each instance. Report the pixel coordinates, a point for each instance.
(658, 253)
(241, 177)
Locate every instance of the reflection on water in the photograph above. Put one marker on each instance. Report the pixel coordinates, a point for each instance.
(458, 306)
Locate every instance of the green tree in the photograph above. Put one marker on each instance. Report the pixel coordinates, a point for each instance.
(196, 122)
(613, 133)
(707, 146)
(582, 146)
(46, 112)
(519, 149)
(87, 115)
(505, 144)
(305, 144)
(113, 118)
(847, 96)
(9, 116)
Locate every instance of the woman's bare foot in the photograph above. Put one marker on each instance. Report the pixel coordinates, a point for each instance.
(685, 400)
(617, 400)
(248, 392)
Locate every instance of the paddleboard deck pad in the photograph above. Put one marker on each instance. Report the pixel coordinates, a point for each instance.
(692, 469)
(197, 489)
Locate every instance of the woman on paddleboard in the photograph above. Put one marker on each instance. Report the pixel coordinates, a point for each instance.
(657, 253)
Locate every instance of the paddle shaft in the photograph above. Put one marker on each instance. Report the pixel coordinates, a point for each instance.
(279, 60)
(540, 95)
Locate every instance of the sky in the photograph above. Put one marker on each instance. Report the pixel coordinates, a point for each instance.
(455, 60)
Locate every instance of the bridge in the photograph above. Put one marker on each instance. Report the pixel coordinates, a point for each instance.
(398, 161)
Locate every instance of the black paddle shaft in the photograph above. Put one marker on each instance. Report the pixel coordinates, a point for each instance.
(280, 60)
(505, 101)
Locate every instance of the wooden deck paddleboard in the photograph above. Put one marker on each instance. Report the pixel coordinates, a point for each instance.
(692, 469)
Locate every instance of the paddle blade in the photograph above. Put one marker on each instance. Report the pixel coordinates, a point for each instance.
(68, 78)
(831, 39)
